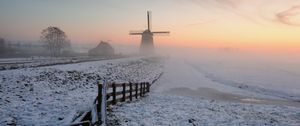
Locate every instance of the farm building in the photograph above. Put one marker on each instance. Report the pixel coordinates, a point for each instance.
(103, 49)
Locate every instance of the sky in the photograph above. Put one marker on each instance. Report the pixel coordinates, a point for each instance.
(270, 25)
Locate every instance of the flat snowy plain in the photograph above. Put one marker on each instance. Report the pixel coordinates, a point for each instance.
(218, 90)
(203, 91)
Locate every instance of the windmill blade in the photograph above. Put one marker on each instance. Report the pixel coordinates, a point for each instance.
(165, 33)
(135, 32)
(149, 20)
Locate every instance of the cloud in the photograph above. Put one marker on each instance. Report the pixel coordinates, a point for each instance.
(257, 11)
(287, 16)
(231, 6)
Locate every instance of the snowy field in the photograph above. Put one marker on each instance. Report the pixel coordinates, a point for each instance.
(207, 90)
(53, 95)
(274, 76)
(168, 110)
(218, 90)
(181, 73)
(36, 61)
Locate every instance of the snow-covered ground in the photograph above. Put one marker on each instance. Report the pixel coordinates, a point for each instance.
(166, 110)
(205, 90)
(16, 63)
(188, 95)
(181, 73)
(53, 95)
(269, 75)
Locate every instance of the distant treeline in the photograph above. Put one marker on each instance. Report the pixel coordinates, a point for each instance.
(53, 42)
(17, 49)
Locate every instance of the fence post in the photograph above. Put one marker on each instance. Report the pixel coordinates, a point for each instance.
(130, 86)
(103, 104)
(141, 89)
(114, 94)
(124, 94)
(148, 87)
(99, 99)
(136, 90)
(144, 89)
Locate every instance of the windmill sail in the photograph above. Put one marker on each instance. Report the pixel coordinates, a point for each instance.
(149, 20)
(135, 32)
(147, 45)
(161, 33)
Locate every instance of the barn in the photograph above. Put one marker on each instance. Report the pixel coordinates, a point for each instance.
(102, 49)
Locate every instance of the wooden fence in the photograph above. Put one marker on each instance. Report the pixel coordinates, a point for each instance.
(114, 93)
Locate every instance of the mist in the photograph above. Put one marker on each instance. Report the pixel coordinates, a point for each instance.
(141, 62)
(269, 72)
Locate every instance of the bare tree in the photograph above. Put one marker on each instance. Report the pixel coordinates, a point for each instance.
(55, 40)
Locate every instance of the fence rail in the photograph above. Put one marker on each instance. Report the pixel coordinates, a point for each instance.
(115, 93)
(128, 92)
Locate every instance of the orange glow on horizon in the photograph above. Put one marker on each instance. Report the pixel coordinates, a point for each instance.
(245, 25)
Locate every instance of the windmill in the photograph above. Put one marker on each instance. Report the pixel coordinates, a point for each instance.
(147, 45)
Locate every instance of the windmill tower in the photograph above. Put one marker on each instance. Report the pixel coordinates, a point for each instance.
(147, 45)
